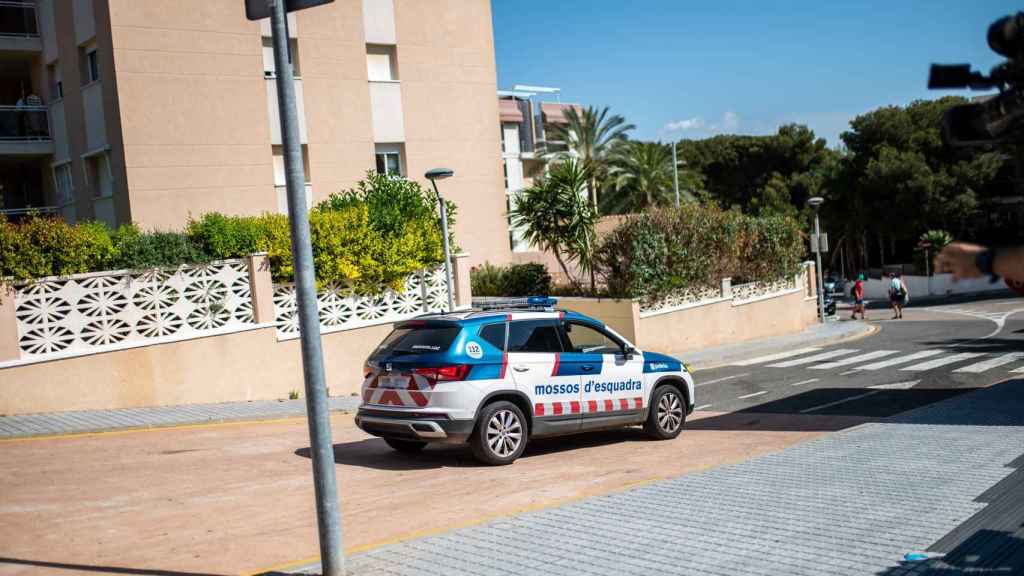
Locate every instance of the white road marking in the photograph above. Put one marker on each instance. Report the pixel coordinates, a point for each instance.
(896, 385)
(703, 407)
(744, 397)
(814, 358)
(1017, 370)
(991, 363)
(942, 361)
(854, 359)
(801, 383)
(721, 379)
(830, 404)
(900, 360)
(848, 372)
(774, 357)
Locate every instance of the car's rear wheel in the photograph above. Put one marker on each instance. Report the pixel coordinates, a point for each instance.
(407, 446)
(667, 414)
(500, 435)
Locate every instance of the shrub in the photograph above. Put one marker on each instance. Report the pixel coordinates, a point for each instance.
(653, 254)
(136, 250)
(40, 247)
(529, 279)
(223, 236)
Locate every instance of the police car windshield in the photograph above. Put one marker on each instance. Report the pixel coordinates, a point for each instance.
(419, 339)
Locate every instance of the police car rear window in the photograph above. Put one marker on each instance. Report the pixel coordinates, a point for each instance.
(419, 339)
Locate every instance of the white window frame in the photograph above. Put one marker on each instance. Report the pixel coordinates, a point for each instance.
(92, 57)
(65, 194)
(87, 159)
(386, 150)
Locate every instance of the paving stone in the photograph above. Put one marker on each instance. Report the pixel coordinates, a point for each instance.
(853, 502)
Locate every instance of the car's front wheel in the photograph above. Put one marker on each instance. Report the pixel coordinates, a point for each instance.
(407, 446)
(667, 414)
(500, 435)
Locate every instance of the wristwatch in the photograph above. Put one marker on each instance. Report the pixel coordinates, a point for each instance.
(984, 262)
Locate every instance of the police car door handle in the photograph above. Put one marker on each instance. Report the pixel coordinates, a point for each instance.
(521, 368)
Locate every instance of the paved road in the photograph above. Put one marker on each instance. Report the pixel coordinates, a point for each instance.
(931, 354)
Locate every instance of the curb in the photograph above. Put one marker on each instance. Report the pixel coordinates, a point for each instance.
(209, 423)
(867, 330)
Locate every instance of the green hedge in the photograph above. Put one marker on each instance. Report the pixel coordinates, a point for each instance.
(656, 253)
(530, 279)
(378, 233)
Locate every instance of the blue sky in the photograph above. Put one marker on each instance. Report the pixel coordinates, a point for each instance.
(682, 68)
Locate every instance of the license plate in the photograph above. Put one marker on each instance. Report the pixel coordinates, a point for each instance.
(394, 382)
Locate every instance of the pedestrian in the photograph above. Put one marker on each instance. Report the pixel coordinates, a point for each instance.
(898, 296)
(858, 298)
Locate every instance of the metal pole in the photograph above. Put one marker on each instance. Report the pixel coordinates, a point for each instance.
(927, 271)
(327, 512)
(447, 252)
(675, 173)
(821, 280)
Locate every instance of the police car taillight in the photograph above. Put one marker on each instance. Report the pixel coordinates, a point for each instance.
(452, 373)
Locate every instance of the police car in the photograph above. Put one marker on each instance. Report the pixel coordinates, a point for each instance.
(496, 378)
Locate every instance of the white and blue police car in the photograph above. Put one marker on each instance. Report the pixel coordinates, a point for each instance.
(496, 378)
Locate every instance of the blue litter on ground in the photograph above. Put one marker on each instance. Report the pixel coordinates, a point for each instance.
(915, 556)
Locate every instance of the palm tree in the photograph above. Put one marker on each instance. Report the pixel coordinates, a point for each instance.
(591, 135)
(640, 175)
(554, 216)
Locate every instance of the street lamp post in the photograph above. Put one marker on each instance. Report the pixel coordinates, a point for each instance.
(675, 172)
(434, 175)
(816, 203)
(927, 265)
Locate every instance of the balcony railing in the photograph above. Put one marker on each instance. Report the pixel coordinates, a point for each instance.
(18, 19)
(24, 123)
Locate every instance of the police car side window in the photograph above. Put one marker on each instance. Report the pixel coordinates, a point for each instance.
(589, 340)
(533, 336)
(494, 334)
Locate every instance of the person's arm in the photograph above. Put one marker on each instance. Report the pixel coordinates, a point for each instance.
(961, 259)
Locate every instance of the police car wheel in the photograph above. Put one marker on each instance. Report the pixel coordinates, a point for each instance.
(667, 415)
(500, 435)
(407, 446)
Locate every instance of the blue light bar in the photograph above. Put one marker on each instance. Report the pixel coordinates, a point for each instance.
(542, 301)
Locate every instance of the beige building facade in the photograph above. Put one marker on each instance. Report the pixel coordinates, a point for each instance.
(154, 111)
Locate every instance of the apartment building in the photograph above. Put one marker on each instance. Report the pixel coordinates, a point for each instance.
(156, 110)
(527, 124)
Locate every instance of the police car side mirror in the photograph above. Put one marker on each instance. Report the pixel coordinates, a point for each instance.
(629, 352)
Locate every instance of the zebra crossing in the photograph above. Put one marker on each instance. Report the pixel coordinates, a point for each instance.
(855, 360)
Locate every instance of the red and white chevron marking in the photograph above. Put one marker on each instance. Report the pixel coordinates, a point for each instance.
(587, 406)
(417, 394)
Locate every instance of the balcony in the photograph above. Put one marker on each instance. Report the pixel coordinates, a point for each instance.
(25, 131)
(19, 27)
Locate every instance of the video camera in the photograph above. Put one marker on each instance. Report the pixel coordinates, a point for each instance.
(992, 119)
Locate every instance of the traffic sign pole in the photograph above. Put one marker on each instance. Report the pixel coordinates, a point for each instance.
(318, 416)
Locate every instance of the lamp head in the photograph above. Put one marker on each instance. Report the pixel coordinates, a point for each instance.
(815, 202)
(439, 174)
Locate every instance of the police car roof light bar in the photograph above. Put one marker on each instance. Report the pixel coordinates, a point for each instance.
(532, 303)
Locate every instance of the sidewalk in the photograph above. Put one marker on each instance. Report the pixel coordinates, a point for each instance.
(853, 502)
(162, 416)
(831, 332)
(80, 421)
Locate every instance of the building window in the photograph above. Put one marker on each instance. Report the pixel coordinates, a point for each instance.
(389, 159)
(62, 183)
(279, 174)
(270, 67)
(97, 174)
(381, 64)
(56, 83)
(92, 67)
